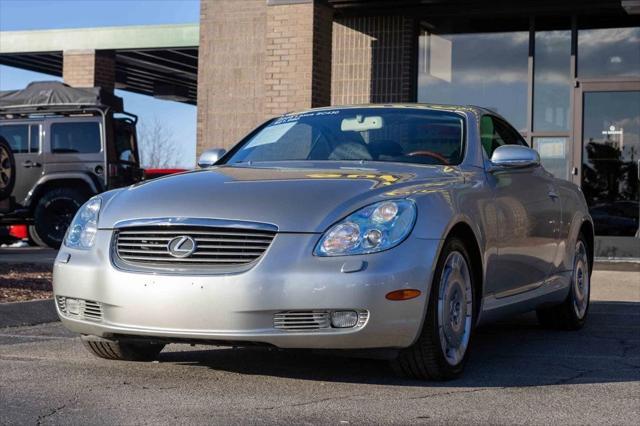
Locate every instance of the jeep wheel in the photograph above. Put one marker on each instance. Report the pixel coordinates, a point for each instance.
(53, 215)
(7, 169)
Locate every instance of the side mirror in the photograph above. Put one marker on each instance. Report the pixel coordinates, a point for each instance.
(210, 157)
(514, 157)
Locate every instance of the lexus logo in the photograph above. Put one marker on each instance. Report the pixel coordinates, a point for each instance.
(182, 246)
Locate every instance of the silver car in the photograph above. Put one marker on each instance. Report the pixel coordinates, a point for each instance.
(392, 229)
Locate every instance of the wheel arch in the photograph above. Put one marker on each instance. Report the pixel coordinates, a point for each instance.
(464, 232)
(78, 181)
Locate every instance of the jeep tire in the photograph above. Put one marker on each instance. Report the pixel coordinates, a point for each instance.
(7, 169)
(53, 214)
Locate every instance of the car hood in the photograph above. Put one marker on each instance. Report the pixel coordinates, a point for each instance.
(293, 196)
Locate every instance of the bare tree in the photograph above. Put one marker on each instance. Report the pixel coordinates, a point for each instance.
(157, 147)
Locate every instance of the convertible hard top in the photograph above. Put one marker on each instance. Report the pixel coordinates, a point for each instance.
(55, 96)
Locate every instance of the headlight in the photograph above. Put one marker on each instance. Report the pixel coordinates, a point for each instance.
(374, 228)
(82, 231)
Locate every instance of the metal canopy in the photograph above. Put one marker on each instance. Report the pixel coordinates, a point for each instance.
(158, 60)
(479, 8)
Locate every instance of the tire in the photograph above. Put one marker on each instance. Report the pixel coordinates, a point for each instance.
(34, 238)
(7, 169)
(53, 215)
(122, 351)
(572, 313)
(426, 358)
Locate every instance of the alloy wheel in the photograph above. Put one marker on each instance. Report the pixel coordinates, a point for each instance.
(455, 308)
(580, 280)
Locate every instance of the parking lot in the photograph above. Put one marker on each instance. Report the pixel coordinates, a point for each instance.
(518, 373)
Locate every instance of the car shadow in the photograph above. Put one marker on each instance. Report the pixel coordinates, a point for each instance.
(512, 353)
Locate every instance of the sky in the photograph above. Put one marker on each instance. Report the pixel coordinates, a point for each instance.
(19, 15)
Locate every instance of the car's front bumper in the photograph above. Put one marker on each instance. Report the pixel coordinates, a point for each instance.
(241, 307)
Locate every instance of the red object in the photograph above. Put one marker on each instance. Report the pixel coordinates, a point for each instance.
(155, 173)
(18, 231)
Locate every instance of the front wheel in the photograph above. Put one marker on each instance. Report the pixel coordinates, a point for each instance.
(442, 349)
(122, 351)
(572, 313)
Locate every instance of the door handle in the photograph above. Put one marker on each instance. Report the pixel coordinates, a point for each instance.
(553, 195)
(28, 164)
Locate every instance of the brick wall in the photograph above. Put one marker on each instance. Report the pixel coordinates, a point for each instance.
(374, 60)
(258, 61)
(231, 63)
(89, 68)
(298, 57)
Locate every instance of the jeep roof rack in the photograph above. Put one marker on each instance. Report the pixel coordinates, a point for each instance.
(55, 97)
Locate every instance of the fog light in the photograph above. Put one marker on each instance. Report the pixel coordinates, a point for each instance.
(72, 306)
(344, 319)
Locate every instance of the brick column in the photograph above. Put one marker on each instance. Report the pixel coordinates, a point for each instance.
(230, 70)
(89, 68)
(258, 59)
(298, 56)
(374, 60)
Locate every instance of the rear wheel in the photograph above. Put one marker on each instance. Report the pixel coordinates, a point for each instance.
(122, 351)
(572, 313)
(7, 169)
(53, 215)
(442, 349)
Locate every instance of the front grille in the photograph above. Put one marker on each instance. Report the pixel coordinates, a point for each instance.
(215, 246)
(86, 309)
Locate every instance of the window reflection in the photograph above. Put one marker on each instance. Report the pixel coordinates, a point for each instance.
(610, 52)
(486, 69)
(553, 155)
(610, 158)
(552, 87)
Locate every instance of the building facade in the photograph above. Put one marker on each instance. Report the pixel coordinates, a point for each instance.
(566, 74)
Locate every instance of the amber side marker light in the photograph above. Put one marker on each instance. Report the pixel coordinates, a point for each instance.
(403, 294)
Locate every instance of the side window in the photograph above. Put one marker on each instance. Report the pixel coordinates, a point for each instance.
(495, 133)
(34, 138)
(76, 138)
(18, 137)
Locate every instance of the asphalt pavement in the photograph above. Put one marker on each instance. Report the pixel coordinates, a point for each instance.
(518, 374)
(38, 255)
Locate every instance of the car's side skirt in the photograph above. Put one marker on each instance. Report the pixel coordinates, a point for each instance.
(552, 291)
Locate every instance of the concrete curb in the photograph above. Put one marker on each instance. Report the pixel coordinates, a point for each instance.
(34, 312)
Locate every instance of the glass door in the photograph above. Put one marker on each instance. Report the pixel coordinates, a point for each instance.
(607, 160)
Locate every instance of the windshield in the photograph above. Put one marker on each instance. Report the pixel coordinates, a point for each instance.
(371, 134)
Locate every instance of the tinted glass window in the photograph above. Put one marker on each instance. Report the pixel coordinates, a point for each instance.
(373, 134)
(495, 133)
(34, 137)
(125, 139)
(485, 69)
(17, 136)
(80, 138)
(610, 147)
(610, 52)
(552, 86)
